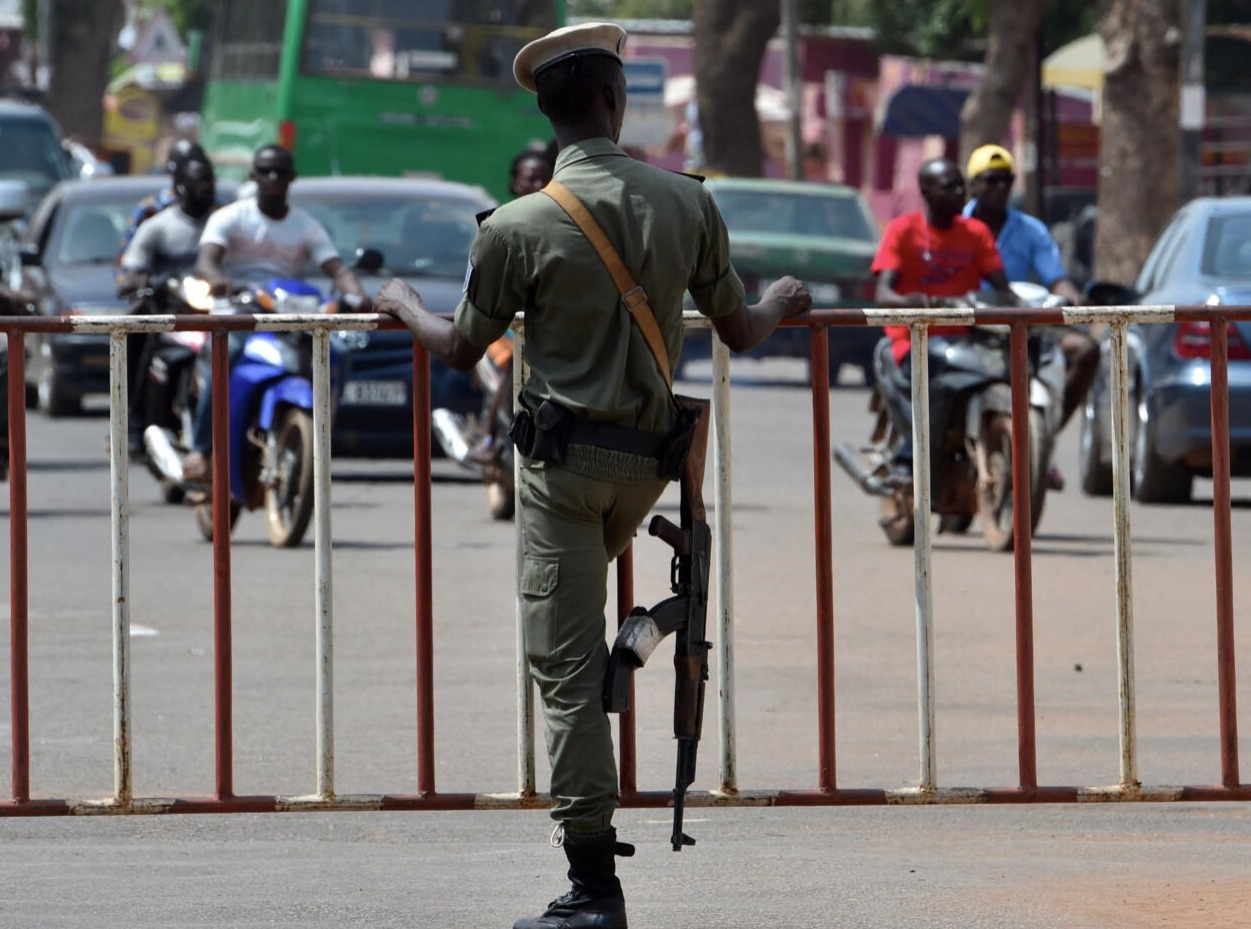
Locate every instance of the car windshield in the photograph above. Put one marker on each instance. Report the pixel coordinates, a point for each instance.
(30, 152)
(794, 214)
(428, 237)
(1227, 247)
(91, 230)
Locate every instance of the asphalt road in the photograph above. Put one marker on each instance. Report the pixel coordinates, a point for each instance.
(1045, 867)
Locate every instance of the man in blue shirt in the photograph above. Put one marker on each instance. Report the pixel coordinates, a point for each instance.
(1030, 254)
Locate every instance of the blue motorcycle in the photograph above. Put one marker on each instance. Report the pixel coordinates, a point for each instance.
(271, 419)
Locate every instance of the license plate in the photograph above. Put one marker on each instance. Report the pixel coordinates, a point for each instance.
(375, 393)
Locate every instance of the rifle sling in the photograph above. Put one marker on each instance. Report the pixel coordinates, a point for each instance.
(633, 297)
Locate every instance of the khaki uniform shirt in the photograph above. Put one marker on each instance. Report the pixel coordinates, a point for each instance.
(583, 349)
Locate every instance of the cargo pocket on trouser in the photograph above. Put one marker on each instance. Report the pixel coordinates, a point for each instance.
(539, 579)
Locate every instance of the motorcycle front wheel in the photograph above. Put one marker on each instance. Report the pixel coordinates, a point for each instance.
(897, 520)
(204, 518)
(994, 488)
(289, 491)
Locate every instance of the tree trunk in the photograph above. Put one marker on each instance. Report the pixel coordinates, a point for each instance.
(1010, 52)
(730, 41)
(1139, 140)
(81, 39)
(1011, 69)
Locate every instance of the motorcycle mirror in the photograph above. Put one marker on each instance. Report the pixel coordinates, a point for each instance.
(368, 260)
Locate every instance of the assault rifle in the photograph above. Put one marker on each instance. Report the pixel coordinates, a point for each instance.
(685, 613)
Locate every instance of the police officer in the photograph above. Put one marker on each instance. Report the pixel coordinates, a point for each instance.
(592, 370)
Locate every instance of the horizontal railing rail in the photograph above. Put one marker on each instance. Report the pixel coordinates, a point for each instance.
(423, 795)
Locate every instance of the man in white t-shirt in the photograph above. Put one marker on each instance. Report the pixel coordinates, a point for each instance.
(165, 245)
(254, 240)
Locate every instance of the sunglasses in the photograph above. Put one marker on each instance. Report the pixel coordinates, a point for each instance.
(955, 185)
(274, 174)
(998, 180)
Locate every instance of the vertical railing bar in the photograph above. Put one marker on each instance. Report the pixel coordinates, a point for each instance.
(323, 572)
(628, 720)
(922, 552)
(223, 657)
(823, 544)
(1227, 678)
(1022, 517)
(19, 580)
(1123, 556)
(123, 787)
(723, 555)
(423, 543)
(526, 774)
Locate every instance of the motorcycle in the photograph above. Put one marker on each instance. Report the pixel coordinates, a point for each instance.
(970, 432)
(271, 420)
(480, 442)
(170, 386)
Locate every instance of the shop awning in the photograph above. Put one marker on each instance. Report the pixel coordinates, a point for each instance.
(918, 110)
(1080, 63)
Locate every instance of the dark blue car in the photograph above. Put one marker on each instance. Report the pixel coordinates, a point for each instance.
(423, 229)
(1203, 256)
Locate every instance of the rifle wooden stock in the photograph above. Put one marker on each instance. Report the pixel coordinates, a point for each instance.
(692, 482)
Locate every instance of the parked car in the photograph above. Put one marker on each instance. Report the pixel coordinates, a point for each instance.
(30, 148)
(424, 229)
(1202, 256)
(68, 255)
(823, 234)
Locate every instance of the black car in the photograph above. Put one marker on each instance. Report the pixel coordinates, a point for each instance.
(68, 256)
(423, 228)
(31, 150)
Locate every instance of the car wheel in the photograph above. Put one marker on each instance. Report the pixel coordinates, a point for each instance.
(1096, 475)
(54, 399)
(1155, 480)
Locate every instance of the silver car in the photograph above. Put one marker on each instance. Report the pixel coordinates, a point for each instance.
(1203, 256)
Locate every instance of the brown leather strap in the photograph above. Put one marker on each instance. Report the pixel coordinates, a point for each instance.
(633, 297)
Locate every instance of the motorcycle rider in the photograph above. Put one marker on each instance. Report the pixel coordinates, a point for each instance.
(165, 244)
(180, 152)
(1030, 254)
(256, 239)
(925, 259)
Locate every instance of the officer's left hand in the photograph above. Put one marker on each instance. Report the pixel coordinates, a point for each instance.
(791, 294)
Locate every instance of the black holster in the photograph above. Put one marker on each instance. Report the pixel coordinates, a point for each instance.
(677, 444)
(544, 434)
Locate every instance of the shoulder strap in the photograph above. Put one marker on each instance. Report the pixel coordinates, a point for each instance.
(633, 297)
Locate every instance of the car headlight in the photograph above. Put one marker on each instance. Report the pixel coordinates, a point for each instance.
(350, 340)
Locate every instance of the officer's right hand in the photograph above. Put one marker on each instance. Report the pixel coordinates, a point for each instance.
(791, 294)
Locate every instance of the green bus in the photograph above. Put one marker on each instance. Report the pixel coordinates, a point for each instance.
(388, 87)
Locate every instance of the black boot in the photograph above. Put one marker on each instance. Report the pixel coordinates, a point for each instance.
(595, 900)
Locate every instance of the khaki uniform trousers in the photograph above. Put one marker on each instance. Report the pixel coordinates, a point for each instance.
(572, 527)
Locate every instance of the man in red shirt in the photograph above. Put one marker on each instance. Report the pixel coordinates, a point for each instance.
(935, 253)
(923, 259)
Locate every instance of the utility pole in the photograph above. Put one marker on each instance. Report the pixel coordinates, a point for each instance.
(790, 41)
(1191, 112)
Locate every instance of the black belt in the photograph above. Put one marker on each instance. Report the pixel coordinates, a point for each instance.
(616, 438)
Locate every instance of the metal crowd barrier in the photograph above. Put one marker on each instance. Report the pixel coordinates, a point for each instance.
(826, 791)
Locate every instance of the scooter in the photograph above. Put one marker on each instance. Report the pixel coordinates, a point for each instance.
(480, 442)
(271, 420)
(970, 435)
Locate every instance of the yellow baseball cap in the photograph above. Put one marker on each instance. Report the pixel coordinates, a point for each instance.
(565, 43)
(989, 158)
